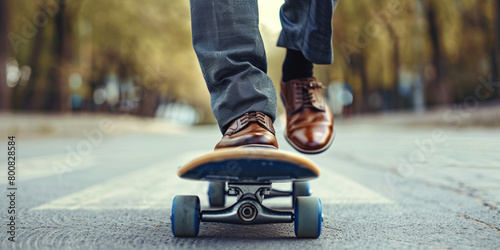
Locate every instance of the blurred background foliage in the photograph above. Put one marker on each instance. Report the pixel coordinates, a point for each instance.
(124, 56)
(399, 54)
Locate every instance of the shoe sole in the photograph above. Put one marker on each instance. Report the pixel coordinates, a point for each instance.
(257, 146)
(312, 152)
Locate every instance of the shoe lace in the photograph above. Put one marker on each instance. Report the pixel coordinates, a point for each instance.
(249, 117)
(304, 94)
(253, 117)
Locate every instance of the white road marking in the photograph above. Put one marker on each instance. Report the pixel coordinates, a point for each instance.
(341, 190)
(152, 187)
(155, 186)
(42, 166)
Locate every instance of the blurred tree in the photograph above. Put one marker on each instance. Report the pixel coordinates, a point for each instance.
(148, 43)
(396, 101)
(495, 53)
(33, 94)
(369, 37)
(446, 43)
(5, 101)
(145, 46)
(64, 43)
(436, 85)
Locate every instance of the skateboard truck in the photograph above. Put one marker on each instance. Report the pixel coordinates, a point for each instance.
(307, 215)
(248, 209)
(258, 191)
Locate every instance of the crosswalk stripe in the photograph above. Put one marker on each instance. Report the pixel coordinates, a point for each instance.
(151, 187)
(42, 166)
(155, 186)
(342, 190)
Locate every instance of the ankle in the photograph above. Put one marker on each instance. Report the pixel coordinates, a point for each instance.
(296, 66)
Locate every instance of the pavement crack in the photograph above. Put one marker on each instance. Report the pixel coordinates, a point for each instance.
(480, 222)
(465, 191)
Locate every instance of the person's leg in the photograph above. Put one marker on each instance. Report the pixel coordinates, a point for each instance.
(307, 36)
(307, 28)
(230, 50)
(231, 54)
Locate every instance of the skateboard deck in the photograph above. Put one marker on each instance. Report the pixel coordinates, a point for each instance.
(250, 164)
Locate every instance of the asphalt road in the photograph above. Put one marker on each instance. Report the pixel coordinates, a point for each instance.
(381, 187)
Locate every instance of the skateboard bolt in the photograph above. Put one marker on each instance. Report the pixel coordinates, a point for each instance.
(247, 212)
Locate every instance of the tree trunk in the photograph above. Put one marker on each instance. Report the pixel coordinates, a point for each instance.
(63, 41)
(396, 97)
(30, 99)
(149, 103)
(5, 92)
(437, 87)
(364, 85)
(495, 54)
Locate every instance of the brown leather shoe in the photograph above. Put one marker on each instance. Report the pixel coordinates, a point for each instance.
(251, 129)
(309, 120)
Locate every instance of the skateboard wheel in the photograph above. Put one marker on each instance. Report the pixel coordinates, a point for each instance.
(300, 188)
(185, 217)
(216, 194)
(308, 217)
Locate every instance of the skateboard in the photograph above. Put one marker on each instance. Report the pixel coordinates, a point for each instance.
(248, 173)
